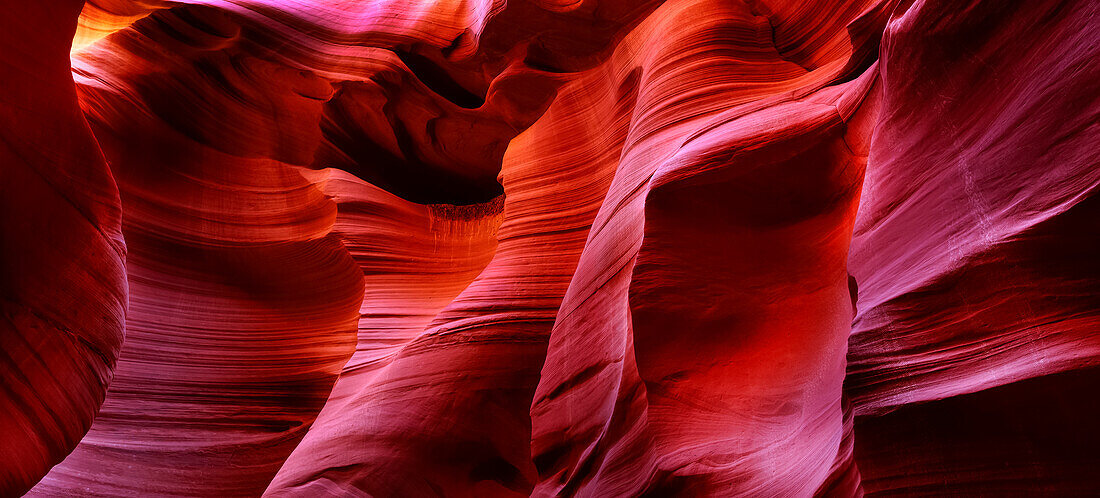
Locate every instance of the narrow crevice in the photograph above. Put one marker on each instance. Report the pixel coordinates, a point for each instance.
(436, 78)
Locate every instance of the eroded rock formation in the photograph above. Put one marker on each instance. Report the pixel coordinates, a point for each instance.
(549, 248)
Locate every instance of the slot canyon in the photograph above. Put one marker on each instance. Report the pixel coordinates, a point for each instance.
(510, 248)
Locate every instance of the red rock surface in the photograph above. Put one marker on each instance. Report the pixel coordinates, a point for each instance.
(549, 248)
(62, 280)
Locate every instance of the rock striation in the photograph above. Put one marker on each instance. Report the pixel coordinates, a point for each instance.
(549, 247)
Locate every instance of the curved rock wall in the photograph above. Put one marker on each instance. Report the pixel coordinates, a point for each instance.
(549, 248)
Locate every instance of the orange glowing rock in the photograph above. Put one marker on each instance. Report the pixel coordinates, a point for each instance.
(549, 248)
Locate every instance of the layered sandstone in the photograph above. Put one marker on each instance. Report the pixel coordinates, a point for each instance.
(549, 248)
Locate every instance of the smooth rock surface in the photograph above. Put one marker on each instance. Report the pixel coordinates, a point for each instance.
(549, 247)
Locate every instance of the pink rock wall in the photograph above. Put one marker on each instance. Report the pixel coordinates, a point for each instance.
(547, 248)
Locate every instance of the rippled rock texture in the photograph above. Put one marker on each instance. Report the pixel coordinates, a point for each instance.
(549, 248)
